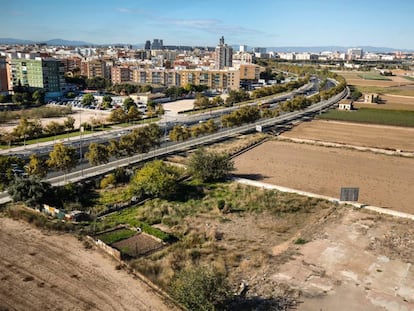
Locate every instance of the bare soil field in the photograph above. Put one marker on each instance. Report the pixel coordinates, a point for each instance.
(380, 83)
(384, 181)
(80, 116)
(393, 102)
(41, 270)
(376, 136)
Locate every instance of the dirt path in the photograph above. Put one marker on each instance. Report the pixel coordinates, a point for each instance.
(46, 271)
(384, 181)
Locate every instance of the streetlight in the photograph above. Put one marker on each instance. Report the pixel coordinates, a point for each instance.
(80, 140)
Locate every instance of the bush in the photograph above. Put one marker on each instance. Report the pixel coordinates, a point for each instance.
(107, 181)
(200, 288)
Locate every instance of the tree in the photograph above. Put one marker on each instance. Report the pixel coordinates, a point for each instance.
(128, 103)
(201, 101)
(97, 154)
(209, 166)
(39, 97)
(114, 148)
(54, 128)
(155, 179)
(7, 163)
(179, 132)
(117, 115)
(133, 113)
(32, 191)
(217, 101)
(62, 158)
(27, 129)
(107, 101)
(88, 99)
(98, 83)
(200, 288)
(69, 123)
(36, 167)
(18, 98)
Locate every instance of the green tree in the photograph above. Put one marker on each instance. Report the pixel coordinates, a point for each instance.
(62, 158)
(114, 149)
(118, 115)
(69, 123)
(7, 164)
(200, 288)
(39, 97)
(217, 101)
(98, 83)
(209, 166)
(36, 167)
(32, 191)
(179, 132)
(107, 101)
(128, 103)
(97, 154)
(155, 179)
(27, 129)
(54, 128)
(133, 113)
(18, 98)
(88, 99)
(201, 101)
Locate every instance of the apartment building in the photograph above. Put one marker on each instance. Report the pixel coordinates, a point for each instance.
(120, 74)
(4, 80)
(94, 68)
(223, 55)
(45, 73)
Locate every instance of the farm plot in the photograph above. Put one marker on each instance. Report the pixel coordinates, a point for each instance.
(383, 180)
(138, 245)
(376, 136)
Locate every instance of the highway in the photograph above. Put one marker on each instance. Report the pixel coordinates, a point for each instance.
(84, 173)
(166, 123)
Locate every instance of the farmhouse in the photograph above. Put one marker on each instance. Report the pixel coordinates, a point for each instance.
(346, 105)
(371, 98)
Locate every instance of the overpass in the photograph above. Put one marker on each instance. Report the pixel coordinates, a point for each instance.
(91, 172)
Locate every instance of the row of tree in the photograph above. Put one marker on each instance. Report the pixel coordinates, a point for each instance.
(279, 88)
(181, 133)
(245, 114)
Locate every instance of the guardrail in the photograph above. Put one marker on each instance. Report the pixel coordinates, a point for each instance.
(188, 144)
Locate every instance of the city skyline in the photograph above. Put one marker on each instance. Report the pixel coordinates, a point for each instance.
(269, 23)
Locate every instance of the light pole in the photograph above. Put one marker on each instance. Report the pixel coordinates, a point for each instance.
(80, 140)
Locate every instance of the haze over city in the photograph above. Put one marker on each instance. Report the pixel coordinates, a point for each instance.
(264, 23)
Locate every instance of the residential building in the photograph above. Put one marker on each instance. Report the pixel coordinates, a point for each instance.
(223, 55)
(94, 68)
(355, 53)
(243, 48)
(4, 80)
(44, 73)
(120, 74)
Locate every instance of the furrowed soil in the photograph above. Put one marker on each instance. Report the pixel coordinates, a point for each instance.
(42, 270)
(384, 181)
(366, 135)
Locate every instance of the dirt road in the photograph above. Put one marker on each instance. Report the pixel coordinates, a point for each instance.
(47, 271)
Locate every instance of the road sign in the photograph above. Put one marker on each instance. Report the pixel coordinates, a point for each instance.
(349, 194)
(259, 128)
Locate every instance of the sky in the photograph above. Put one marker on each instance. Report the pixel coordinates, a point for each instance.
(260, 23)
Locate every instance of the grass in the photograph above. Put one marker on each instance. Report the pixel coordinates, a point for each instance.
(372, 116)
(391, 90)
(116, 235)
(373, 76)
(408, 78)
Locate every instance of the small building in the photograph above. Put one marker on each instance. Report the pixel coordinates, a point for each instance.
(371, 98)
(346, 105)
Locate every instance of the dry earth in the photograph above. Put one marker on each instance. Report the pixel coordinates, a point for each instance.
(395, 102)
(80, 116)
(367, 135)
(384, 181)
(45, 271)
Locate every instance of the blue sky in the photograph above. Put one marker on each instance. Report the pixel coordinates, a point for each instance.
(200, 22)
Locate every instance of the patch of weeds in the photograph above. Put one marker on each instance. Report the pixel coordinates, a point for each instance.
(301, 241)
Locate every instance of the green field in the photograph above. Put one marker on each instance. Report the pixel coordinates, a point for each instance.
(373, 76)
(372, 116)
(391, 90)
(116, 235)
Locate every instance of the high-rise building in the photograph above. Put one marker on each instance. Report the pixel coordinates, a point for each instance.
(147, 45)
(243, 48)
(157, 44)
(259, 50)
(223, 55)
(45, 73)
(94, 68)
(355, 53)
(4, 84)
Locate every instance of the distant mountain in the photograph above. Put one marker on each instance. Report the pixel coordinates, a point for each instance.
(49, 42)
(67, 42)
